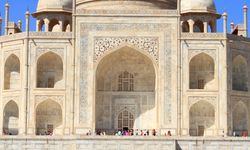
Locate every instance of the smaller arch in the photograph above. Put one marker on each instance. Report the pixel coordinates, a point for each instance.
(185, 26)
(201, 71)
(66, 26)
(12, 73)
(53, 25)
(239, 74)
(49, 71)
(201, 118)
(41, 26)
(48, 117)
(198, 26)
(154, 59)
(10, 118)
(240, 118)
(212, 26)
(126, 81)
(125, 120)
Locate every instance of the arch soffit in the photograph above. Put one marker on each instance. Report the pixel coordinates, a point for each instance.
(47, 52)
(239, 56)
(198, 21)
(184, 23)
(202, 100)
(9, 56)
(9, 101)
(144, 53)
(241, 103)
(199, 53)
(52, 100)
(125, 109)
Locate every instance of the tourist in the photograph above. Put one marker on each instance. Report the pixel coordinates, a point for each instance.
(154, 132)
(169, 133)
(119, 133)
(141, 133)
(234, 134)
(136, 132)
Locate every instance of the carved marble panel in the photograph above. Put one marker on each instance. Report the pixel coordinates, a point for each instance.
(236, 99)
(103, 44)
(148, 44)
(168, 78)
(42, 50)
(10, 52)
(6, 99)
(194, 99)
(194, 52)
(57, 98)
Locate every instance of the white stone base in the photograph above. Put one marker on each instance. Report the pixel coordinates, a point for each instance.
(120, 143)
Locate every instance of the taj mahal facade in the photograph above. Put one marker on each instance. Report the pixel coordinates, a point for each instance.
(124, 65)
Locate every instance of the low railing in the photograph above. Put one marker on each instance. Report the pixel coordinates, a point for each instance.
(211, 36)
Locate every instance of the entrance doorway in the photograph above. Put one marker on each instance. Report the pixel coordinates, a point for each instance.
(125, 120)
(50, 128)
(125, 80)
(201, 130)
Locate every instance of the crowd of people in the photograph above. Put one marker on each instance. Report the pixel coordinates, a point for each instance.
(129, 132)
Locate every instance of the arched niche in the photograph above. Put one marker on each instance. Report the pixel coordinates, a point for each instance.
(125, 80)
(49, 71)
(66, 26)
(240, 118)
(201, 71)
(239, 74)
(212, 26)
(201, 118)
(125, 120)
(198, 26)
(41, 25)
(54, 25)
(10, 118)
(48, 117)
(12, 73)
(185, 26)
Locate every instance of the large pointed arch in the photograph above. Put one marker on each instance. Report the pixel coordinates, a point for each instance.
(10, 118)
(120, 76)
(125, 120)
(48, 117)
(54, 25)
(239, 74)
(201, 71)
(198, 26)
(12, 73)
(201, 118)
(240, 118)
(49, 71)
(185, 26)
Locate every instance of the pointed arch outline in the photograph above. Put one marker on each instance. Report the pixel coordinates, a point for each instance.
(199, 53)
(9, 56)
(200, 80)
(144, 53)
(234, 109)
(40, 56)
(16, 107)
(9, 101)
(49, 51)
(62, 112)
(120, 112)
(190, 117)
(240, 59)
(243, 104)
(8, 61)
(110, 52)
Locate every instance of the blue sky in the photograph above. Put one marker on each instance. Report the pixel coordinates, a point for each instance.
(233, 8)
